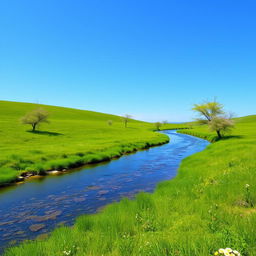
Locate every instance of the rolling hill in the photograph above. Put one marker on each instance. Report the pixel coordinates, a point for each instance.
(72, 138)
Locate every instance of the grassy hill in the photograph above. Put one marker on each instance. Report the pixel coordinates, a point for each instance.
(72, 138)
(209, 205)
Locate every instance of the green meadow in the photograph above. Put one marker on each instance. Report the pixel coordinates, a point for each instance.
(209, 205)
(72, 138)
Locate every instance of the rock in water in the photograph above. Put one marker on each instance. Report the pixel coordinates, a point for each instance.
(36, 227)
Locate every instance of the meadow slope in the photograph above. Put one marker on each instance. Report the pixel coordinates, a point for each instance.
(72, 138)
(209, 205)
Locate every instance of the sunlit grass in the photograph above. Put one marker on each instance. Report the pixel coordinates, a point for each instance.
(201, 210)
(72, 138)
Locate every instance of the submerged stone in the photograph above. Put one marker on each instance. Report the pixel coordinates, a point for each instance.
(93, 187)
(20, 232)
(102, 198)
(36, 227)
(51, 216)
(103, 192)
(7, 223)
(79, 199)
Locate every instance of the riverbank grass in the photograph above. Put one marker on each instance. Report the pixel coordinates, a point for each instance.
(209, 205)
(72, 138)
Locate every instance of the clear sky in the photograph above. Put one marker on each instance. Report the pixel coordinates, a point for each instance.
(150, 59)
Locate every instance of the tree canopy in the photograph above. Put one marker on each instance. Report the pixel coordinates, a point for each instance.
(213, 114)
(35, 117)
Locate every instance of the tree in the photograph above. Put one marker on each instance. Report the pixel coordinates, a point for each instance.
(221, 125)
(212, 113)
(110, 122)
(208, 110)
(158, 125)
(35, 117)
(126, 119)
(165, 122)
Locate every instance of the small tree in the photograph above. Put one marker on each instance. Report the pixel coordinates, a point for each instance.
(221, 125)
(35, 117)
(110, 122)
(165, 122)
(212, 113)
(158, 125)
(126, 119)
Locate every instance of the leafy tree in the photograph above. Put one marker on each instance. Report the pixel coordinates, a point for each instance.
(221, 125)
(110, 122)
(126, 119)
(208, 110)
(212, 113)
(158, 125)
(35, 117)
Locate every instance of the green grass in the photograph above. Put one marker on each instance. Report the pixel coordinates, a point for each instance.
(72, 138)
(244, 127)
(206, 207)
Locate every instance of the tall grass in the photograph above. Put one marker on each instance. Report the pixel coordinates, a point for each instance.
(201, 210)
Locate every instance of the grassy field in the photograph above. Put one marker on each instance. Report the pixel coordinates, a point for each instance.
(72, 138)
(209, 205)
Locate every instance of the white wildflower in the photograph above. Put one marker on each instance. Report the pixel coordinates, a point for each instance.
(227, 252)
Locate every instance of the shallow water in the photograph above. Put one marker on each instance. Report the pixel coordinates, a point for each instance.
(38, 206)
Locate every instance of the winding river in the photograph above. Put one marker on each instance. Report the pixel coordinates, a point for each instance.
(36, 207)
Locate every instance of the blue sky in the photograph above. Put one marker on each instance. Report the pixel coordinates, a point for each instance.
(150, 59)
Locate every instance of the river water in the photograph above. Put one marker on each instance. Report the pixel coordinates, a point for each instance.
(36, 207)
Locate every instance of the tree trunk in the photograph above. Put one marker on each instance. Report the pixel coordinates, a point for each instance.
(33, 127)
(219, 135)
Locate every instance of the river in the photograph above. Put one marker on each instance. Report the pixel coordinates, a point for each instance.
(38, 206)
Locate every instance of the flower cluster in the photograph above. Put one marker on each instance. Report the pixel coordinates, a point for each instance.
(227, 252)
(71, 251)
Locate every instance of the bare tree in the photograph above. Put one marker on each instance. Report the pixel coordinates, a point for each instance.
(165, 122)
(35, 117)
(126, 119)
(212, 113)
(158, 125)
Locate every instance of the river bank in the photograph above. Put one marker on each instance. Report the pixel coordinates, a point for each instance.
(36, 207)
(209, 205)
(72, 138)
(97, 157)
